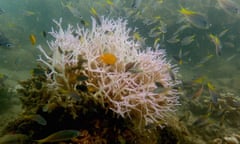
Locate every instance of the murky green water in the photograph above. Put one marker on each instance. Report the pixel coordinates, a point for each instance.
(201, 37)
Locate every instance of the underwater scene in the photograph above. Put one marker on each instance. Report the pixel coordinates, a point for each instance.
(119, 71)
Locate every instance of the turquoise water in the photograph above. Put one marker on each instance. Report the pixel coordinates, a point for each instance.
(157, 21)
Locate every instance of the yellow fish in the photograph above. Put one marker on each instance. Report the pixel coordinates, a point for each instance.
(217, 43)
(196, 19)
(156, 43)
(186, 11)
(137, 36)
(204, 60)
(210, 86)
(95, 15)
(109, 2)
(32, 39)
(199, 80)
(29, 13)
(93, 11)
(108, 58)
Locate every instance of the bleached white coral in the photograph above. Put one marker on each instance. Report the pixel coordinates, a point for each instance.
(131, 82)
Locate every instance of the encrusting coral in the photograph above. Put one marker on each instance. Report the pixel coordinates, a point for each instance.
(106, 65)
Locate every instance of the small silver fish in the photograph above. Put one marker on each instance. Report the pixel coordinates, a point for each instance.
(187, 40)
(196, 19)
(73, 10)
(163, 27)
(2, 11)
(135, 70)
(75, 96)
(59, 136)
(174, 39)
(136, 4)
(230, 7)
(182, 28)
(204, 60)
(95, 15)
(13, 139)
(231, 57)
(171, 74)
(222, 33)
(202, 121)
(37, 118)
(199, 21)
(4, 42)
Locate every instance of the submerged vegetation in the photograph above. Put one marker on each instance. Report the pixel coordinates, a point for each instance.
(4, 94)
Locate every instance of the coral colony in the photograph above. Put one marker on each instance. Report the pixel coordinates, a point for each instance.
(105, 65)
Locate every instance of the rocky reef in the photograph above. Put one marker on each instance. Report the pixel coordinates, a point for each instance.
(103, 83)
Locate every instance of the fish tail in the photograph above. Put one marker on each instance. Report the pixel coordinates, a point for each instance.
(185, 11)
